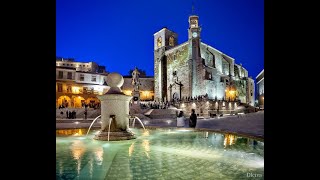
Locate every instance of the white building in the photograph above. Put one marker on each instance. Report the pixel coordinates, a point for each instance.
(78, 83)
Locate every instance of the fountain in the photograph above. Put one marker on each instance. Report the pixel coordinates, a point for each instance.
(114, 112)
(134, 121)
(92, 124)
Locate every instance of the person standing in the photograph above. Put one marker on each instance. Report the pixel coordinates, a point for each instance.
(85, 114)
(180, 119)
(193, 119)
(61, 114)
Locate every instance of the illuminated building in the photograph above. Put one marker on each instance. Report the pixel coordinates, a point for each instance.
(78, 83)
(145, 89)
(260, 86)
(195, 68)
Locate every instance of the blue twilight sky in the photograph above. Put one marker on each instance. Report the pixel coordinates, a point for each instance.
(119, 33)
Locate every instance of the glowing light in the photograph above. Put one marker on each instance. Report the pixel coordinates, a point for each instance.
(262, 97)
(229, 139)
(77, 149)
(145, 93)
(146, 133)
(169, 121)
(99, 154)
(76, 122)
(183, 130)
(146, 146)
(75, 90)
(127, 92)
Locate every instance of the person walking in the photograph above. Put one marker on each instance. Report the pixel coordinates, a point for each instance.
(193, 119)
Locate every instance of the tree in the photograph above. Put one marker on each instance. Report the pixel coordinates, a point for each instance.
(142, 72)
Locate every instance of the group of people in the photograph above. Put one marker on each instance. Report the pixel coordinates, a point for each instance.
(192, 119)
(190, 98)
(155, 105)
(69, 114)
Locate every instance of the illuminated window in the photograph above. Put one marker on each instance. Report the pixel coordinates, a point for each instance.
(81, 77)
(69, 75)
(93, 78)
(69, 90)
(60, 74)
(59, 87)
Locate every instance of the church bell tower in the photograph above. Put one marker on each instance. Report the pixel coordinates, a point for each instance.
(196, 61)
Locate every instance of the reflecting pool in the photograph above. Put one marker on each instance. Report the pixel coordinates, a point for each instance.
(159, 154)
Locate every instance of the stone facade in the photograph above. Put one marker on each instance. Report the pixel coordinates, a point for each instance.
(260, 85)
(194, 68)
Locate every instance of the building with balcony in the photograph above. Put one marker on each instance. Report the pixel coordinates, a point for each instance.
(79, 83)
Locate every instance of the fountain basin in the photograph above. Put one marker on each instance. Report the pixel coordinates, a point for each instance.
(161, 153)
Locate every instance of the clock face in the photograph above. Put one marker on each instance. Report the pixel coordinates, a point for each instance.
(194, 34)
(159, 41)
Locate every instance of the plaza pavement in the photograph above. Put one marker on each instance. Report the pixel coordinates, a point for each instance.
(251, 125)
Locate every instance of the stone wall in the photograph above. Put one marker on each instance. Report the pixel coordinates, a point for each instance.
(250, 91)
(178, 70)
(158, 57)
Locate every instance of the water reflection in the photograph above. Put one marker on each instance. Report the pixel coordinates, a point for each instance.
(98, 152)
(131, 149)
(77, 148)
(74, 132)
(83, 159)
(229, 139)
(145, 133)
(146, 146)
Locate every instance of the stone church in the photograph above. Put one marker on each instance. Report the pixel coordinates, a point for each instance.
(194, 68)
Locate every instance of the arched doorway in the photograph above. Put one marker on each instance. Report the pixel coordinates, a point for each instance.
(64, 101)
(93, 102)
(78, 101)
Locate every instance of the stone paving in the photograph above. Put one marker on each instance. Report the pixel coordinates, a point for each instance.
(251, 124)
